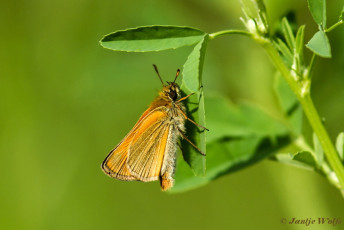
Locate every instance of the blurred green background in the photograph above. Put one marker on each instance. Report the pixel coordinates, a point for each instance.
(65, 102)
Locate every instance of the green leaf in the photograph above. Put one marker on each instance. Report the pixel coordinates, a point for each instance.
(299, 39)
(299, 43)
(303, 159)
(285, 51)
(341, 17)
(151, 38)
(225, 119)
(285, 158)
(185, 178)
(226, 156)
(306, 158)
(286, 97)
(191, 83)
(296, 119)
(320, 44)
(288, 34)
(218, 161)
(239, 136)
(340, 145)
(193, 67)
(288, 103)
(319, 152)
(318, 11)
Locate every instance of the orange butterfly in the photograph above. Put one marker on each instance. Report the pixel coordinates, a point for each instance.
(148, 152)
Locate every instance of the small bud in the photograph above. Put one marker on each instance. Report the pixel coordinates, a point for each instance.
(305, 88)
(305, 73)
(293, 72)
(261, 27)
(251, 26)
(334, 177)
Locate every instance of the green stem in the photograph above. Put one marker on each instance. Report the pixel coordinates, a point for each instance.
(310, 112)
(223, 32)
(334, 26)
(324, 139)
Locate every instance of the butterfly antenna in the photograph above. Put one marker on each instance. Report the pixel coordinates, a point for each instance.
(157, 71)
(177, 74)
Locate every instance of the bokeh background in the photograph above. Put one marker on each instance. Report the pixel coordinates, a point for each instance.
(65, 102)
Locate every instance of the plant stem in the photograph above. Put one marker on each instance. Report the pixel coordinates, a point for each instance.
(223, 32)
(334, 26)
(324, 139)
(310, 112)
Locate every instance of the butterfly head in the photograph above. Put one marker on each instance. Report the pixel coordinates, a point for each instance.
(172, 91)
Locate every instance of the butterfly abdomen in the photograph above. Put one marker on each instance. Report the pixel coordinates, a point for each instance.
(177, 124)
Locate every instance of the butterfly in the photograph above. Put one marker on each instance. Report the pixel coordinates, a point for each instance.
(148, 151)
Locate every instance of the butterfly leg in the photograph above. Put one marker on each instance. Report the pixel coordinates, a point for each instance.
(186, 117)
(184, 98)
(197, 124)
(193, 145)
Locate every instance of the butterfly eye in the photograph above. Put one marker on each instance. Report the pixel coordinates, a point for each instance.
(173, 95)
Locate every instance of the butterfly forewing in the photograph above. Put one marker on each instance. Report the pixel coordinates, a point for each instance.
(115, 164)
(142, 149)
(147, 149)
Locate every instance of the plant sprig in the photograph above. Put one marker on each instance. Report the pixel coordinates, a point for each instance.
(243, 134)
